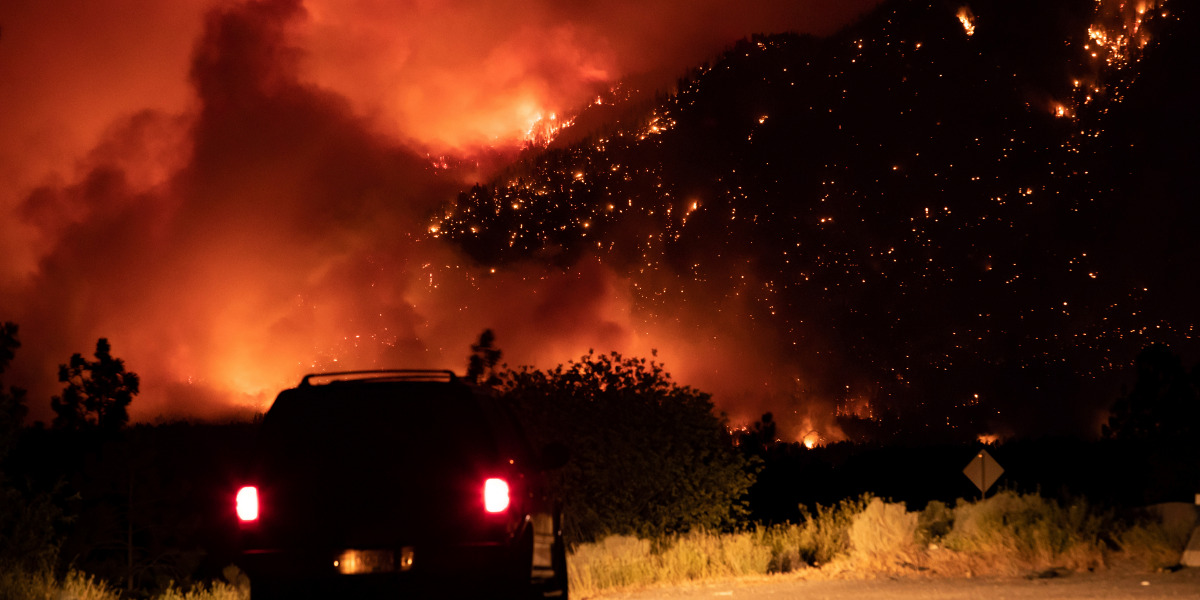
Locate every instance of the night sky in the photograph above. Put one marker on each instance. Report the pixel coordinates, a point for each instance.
(951, 219)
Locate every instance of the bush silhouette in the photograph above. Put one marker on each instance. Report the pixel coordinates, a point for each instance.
(647, 456)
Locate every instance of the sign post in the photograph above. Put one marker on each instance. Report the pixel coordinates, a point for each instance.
(983, 471)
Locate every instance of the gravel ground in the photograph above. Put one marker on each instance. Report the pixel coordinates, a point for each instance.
(1181, 584)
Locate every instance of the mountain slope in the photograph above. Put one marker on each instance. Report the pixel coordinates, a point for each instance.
(935, 218)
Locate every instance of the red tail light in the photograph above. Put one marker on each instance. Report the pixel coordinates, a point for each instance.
(247, 504)
(495, 495)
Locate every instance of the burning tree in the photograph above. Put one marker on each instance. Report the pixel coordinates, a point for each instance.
(98, 393)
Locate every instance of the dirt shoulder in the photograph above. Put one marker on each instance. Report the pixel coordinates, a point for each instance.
(1105, 586)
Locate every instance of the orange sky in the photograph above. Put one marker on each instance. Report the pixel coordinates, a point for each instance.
(234, 193)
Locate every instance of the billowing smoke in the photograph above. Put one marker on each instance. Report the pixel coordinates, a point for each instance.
(236, 194)
(460, 74)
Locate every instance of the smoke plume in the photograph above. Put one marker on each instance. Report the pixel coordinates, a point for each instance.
(235, 194)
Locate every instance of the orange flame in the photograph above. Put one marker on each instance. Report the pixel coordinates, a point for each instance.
(967, 18)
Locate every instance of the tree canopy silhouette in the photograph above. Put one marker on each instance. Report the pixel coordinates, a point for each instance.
(28, 519)
(1164, 402)
(97, 394)
(485, 356)
(12, 399)
(647, 456)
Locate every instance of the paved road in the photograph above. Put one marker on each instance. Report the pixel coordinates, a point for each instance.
(1182, 584)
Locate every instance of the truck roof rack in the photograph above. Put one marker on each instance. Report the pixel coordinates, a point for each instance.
(381, 375)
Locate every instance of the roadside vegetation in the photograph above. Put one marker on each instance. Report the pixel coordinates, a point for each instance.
(659, 489)
(76, 585)
(1008, 534)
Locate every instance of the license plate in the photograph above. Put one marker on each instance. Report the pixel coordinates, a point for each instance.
(357, 562)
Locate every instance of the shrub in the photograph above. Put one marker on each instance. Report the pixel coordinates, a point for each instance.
(1014, 533)
(783, 541)
(935, 522)
(883, 536)
(826, 535)
(19, 585)
(648, 457)
(1148, 542)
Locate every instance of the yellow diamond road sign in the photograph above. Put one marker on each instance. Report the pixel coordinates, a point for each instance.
(983, 471)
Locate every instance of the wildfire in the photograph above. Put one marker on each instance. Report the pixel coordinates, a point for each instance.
(657, 125)
(855, 406)
(688, 210)
(543, 130)
(440, 163)
(1118, 34)
(1116, 39)
(967, 18)
(811, 439)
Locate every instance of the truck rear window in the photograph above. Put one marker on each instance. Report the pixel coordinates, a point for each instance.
(349, 426)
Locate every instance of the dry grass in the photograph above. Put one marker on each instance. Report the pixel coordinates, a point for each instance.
(217, 590)
(628, 562)
(1007, 534)
(16, 585)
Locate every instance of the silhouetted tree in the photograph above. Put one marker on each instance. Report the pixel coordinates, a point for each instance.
(8, 344)
(758, 439)
(647, 455)
(28, 519)
(12, 399)
(1164, 402)
(481, 367)
(765, 429)
(98, 393)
